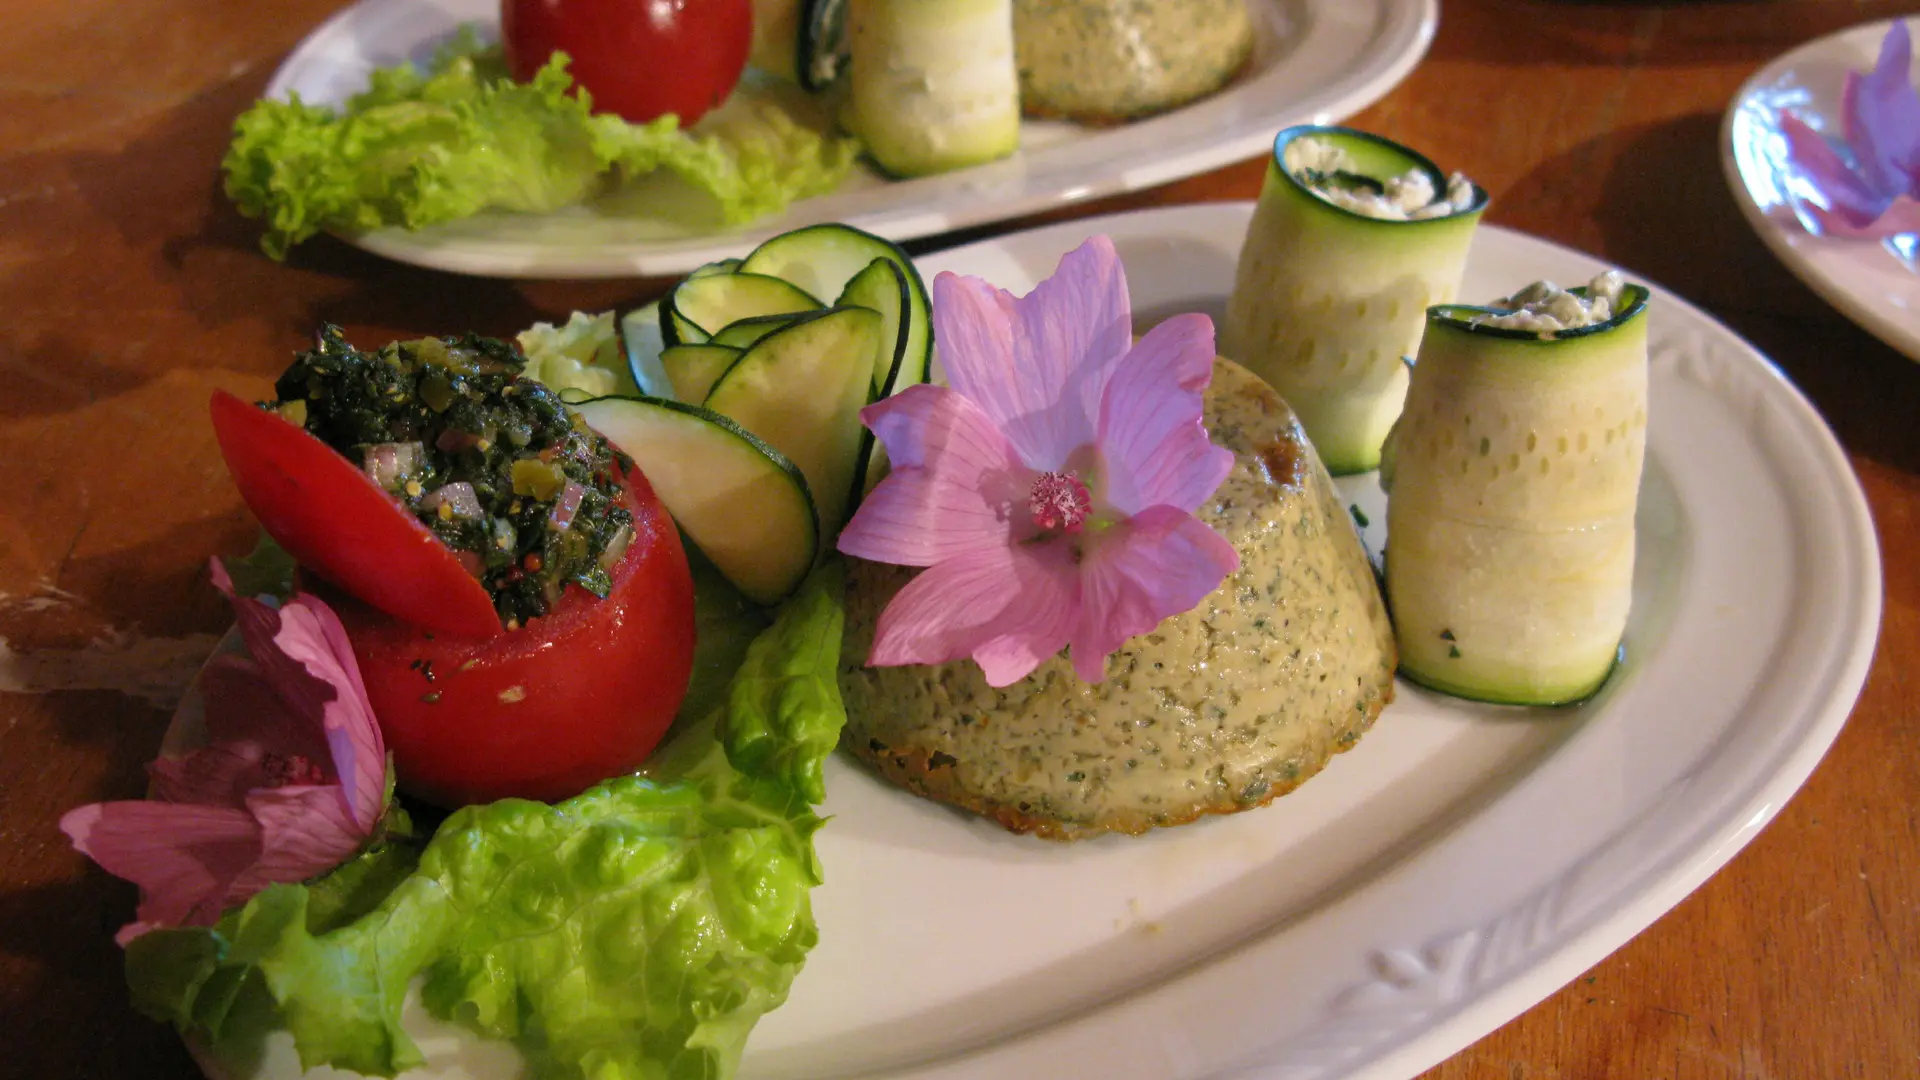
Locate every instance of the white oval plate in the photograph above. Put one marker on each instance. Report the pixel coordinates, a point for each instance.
(1458, 865)
(1868, 282)
(1315, 61)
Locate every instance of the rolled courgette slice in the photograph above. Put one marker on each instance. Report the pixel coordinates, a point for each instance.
(933, 85)
(1516, 473)
(1327, 301)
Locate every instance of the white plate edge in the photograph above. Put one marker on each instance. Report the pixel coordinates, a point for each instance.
(1405, 32)
(1901, 338)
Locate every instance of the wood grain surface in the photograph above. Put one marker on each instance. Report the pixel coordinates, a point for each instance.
(129, 289)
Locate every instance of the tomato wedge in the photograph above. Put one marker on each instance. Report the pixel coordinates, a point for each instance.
(545, 711)
(334, 520)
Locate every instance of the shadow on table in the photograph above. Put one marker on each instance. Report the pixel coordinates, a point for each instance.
(64, 1010)
(1666, 213)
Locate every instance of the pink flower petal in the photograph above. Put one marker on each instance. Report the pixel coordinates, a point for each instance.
(1153, 442)
(1038, 365)
(184, 858)
(303, 651)
(1848, 199)
(311, 635)
(305, 830)
(1010, 608)
(1881, 117)
(1161, 562)
(955, 484)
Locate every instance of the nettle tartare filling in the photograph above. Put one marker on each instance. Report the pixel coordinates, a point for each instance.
(1544, 307)
(1326, 169)
(526, 495)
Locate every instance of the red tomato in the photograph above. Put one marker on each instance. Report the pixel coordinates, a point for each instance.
(334, 520)
(639, 58)
(578, 695)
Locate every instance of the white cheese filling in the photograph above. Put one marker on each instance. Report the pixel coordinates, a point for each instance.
(1318, 164)
(1544, 307)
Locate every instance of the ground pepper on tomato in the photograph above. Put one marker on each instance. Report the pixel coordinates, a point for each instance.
(497, 466)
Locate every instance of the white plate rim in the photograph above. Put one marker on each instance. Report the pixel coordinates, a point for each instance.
(1785, 240)
(1227, 127)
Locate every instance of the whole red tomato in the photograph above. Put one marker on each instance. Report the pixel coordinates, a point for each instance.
(578, 695)
(641, 59)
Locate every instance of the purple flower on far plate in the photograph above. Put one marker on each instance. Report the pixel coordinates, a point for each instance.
(1049, 489)
(290, 784)
(1873, 190)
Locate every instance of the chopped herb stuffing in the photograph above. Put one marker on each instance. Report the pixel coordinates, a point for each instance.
(495, 464)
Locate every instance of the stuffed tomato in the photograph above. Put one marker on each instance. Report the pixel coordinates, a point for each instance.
(517, 599)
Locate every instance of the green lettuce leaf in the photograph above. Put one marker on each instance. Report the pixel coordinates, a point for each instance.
(637, 930)
(420, 148)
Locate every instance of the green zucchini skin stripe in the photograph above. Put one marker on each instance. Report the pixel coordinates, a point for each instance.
(1515, 477)
(1326, 302)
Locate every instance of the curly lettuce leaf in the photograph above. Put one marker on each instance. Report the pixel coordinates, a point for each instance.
(421, 148)
(637, 930)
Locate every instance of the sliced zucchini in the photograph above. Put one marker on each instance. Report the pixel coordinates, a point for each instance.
(820, 48)
(640, 330)
(883, 288)
(700, 305)
(1516, 472)
(823, 259)
(741, 501)
(741, 333)
(721, 266)
(801, 389)
(1326, 302)
(934, 86)
(693, 369)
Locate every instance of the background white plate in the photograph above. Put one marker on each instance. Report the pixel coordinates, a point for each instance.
(1315, 61)
(1458, 865)
(1867, 282)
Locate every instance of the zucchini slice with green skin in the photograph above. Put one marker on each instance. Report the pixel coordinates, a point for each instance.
(1326, 301)
(934, 85)
(820, 46)
(1516, 473)
(801, 389)
(700, 305)
(741, 333)
(883, 288)
(721, 266)
(693, 369)
(823, 259)
(640, 332)
(739, 500)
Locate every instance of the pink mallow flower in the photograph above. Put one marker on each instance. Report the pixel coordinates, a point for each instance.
(1874, 194)
(291, 782)
(1049, 490)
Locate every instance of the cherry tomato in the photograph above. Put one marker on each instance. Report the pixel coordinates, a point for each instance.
(334, 520)
(641, 59)
(545, 711)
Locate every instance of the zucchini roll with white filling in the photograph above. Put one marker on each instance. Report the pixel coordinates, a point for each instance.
(933, 82)
(1353, 238)
(1515, 473)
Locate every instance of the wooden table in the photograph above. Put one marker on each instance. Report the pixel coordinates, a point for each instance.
(129, 289)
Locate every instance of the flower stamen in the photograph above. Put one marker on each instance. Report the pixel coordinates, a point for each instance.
(1059, 502)
(291, 769)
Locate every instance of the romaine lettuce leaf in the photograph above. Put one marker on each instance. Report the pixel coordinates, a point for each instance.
(637, 930)
(419, 148)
